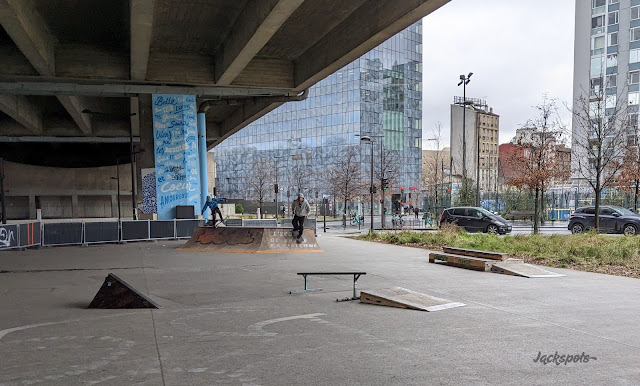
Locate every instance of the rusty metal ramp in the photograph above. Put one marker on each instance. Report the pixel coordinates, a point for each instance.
(249, 240)
(518, 268)
(404, 298)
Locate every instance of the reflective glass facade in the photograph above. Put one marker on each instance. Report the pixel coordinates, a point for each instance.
(378, 94)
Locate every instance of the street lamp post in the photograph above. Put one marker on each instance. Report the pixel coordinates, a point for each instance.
(464, 81)
(276, 187)
(368, 139)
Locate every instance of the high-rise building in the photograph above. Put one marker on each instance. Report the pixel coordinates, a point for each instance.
(606, 65)
(482, 130)
(378, 95)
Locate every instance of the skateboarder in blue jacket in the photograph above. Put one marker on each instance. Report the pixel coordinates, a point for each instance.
(212, 203)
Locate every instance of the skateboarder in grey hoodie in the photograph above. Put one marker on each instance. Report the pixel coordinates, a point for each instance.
(301, 210)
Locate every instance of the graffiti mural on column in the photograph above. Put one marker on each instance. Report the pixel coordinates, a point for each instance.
(176, 153)
(149, 191)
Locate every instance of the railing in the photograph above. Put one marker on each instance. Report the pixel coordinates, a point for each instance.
(29, 234)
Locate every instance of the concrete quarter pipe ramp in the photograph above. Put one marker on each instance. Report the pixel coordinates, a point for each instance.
(249, 240)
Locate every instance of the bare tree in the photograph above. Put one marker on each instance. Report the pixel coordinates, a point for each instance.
(599, 134)
(629, 178)
(432, 176)
(259, 179)
(300, 176)
(538, 163)
(345, 177)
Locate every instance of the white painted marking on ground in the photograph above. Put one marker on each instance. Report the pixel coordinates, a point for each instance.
(257, 328)
(6, 331)
(107, 378)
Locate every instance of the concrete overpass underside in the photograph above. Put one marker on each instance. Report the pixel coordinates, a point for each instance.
(74, 71)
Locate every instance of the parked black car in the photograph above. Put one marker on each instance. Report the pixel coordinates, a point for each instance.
(613, 219)
(474, 219)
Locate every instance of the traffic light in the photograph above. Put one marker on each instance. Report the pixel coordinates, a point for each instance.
(215, 191)
(402, 188)
(373, 189)
(385, 183)
(275, 187)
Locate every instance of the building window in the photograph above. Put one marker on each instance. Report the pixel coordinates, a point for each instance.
(596, 66)
(634, 77)
(633, 98)
(633, 120)
(597, 21)
(613, 39)
(634, 56)
(614, 1)
(635, 34)
(597, 45)
(613, 18)
(598, 3)
(635, 12)
(595, 87)
(610, 102)
(612, 60)
(611, 81)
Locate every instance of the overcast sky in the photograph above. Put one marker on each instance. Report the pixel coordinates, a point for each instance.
(517, 50)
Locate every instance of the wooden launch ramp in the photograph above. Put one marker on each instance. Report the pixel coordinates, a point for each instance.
(249, 240)
(404, 298)
(488, 261)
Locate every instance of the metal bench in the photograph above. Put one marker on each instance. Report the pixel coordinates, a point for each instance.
(356, 276)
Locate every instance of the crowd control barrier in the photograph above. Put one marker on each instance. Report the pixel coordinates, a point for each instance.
(36, 233)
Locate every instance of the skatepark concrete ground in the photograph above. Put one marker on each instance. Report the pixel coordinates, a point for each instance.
(229, 319)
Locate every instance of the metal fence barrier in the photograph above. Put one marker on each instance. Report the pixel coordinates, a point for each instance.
(308, 223)
(30, 234)
(101, 232)
(134, 230)
(185, 228)
(233, 222)
(267, 223)
(9, 236)
(162, 229)
(35, 233)
(62, 233)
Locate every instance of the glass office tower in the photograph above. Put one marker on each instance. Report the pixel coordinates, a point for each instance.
(377, 95)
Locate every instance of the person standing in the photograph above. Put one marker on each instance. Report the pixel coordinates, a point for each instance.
(301, 209)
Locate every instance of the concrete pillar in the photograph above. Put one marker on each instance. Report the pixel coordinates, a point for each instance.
(146, 159)
(32, 207)
(176, 150)
(114, 205)
(202, 160)
(74, 206)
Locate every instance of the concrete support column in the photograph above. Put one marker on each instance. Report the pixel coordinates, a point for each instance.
(74, 206)
(202, 160)
(146, 159)
(114, 205)
(32, 208)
